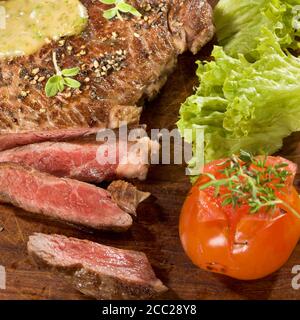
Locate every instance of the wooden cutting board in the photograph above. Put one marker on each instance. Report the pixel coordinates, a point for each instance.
(155, 231)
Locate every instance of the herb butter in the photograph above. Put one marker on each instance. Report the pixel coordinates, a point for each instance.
(26, 25)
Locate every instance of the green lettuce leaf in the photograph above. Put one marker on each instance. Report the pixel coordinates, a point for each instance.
(244, 104)
(239, 24)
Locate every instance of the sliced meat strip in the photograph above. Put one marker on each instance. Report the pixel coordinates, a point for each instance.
(96, 270)
(88, 161)
(61, 198)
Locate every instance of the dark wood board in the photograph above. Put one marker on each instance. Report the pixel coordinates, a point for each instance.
(155, 231)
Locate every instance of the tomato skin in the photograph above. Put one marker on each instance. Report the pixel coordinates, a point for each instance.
(246, 247)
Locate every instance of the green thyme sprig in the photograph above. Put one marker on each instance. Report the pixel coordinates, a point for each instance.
(252, 186)
(61, 79)
(120, 7)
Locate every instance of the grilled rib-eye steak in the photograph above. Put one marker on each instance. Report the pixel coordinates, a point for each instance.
(121, 62)
(67, 199)
(96, 270)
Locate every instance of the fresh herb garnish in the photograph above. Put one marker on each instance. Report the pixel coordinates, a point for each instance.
(62, 78)
(120, 6)
(248, 180)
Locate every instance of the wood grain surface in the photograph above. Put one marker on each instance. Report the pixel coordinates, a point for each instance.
(155, 231)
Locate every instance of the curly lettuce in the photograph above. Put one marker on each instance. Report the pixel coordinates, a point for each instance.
(244, 104)
(249, 95)
(239, 24)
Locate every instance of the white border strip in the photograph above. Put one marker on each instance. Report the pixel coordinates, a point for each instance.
(2, 278)
(2, 18)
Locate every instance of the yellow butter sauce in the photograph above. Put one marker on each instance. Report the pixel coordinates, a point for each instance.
(26, 25)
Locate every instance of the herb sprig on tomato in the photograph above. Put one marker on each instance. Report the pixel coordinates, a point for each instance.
(249, 181)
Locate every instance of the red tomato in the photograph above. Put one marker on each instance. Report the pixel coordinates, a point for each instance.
(232, 241)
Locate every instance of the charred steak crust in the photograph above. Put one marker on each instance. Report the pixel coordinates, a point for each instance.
(96, 270)
(121, 62)
(127, 196)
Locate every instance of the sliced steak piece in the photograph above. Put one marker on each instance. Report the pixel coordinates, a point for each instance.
(121, 62)
(61, 198)
(9, 141)
(96, 270)
(86, 160)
